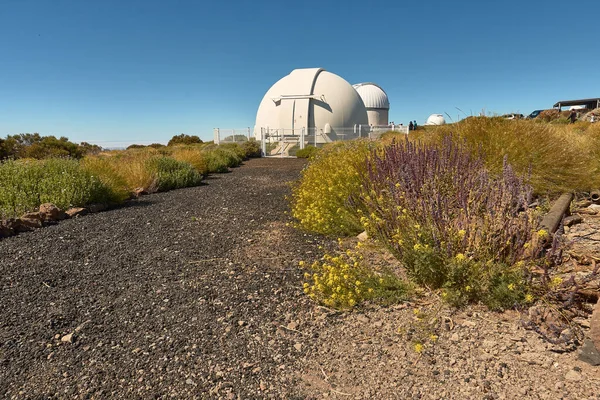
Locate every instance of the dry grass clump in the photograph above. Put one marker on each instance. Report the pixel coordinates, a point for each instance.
(147, 169)
(128, 168)
(192, 155)
(555, 158)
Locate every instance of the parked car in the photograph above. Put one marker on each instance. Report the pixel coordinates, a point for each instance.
(534, 114)
(513, 116)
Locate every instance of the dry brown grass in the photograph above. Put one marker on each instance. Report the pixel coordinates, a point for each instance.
(557, 158)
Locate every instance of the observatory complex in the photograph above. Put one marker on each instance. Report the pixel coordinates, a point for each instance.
(320, 106)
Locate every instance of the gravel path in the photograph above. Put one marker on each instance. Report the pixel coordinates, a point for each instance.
(196, 293)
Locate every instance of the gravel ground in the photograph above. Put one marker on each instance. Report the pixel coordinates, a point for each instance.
(196, 293)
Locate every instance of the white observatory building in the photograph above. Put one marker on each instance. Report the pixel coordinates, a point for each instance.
(435, 119)
(315, 102)
(376, 102)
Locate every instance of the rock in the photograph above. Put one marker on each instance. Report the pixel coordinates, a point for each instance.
(298, 346)
(363, 236)
(572, 220)
(51, 212)
(292, 325)
(94, 208)
(28, 222)
(67, 338)
(587, 211)
(454, 337)
(5, 230)
(189, 381)
(595, 207)
(573, 376)
(137, 192)
(589, 353)
(76, 212)
(241, 323)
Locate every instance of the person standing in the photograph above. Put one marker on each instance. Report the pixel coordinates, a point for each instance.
(572, 116)
(410, 126)
(415, 125)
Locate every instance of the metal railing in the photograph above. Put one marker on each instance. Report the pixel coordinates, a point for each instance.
(232, 135)
(285, 141)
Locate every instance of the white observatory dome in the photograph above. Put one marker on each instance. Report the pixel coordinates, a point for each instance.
(372, 95)
(435, 119)
(376, 101)
(310, 98)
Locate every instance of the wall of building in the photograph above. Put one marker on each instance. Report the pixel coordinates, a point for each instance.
(378, 117)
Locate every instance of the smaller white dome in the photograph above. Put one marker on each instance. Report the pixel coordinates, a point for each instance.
(372, 95)
(435, 119)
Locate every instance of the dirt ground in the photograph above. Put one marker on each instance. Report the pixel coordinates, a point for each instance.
(196, 293)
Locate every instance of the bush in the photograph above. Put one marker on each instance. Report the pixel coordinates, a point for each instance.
(236, 148)
(556, 158)
(220, 159)
(28, 184)
(148, 169)
(307, 152)
(450, 222)
(128, 166)
(192, 155)
(172, 174)
(184, 139)
(251, 148)
(320, 200)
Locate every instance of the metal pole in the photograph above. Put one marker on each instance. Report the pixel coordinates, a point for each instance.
(217, 136)
(302, 139)
(263, 142)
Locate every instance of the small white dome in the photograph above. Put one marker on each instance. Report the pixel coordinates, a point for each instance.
(372, 95)
(435, 119)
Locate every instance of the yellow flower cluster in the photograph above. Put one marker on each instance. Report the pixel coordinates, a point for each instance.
(338, 281)
(342, 281)
(320, 199)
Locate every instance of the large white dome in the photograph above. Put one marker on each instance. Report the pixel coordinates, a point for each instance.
(435, 119)
(372, 95)
(310, 98)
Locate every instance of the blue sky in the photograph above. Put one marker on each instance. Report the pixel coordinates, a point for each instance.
(121, 72)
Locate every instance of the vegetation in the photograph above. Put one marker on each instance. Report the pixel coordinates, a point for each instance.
(307, 152)
(451, 203)
(27, 184)
(184, 139)
(84, 175)
(555, 158)
(344, 280)
(452, 223)
(321, 200)
(33, 145)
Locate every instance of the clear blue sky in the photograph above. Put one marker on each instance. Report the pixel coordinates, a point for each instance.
(119, 72)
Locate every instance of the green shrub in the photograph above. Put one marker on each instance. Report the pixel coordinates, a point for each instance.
(321, 199)
(220, 159)
(173, 174)
(251, 148)
(27, 184)
(307, 152)
(236, 148)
